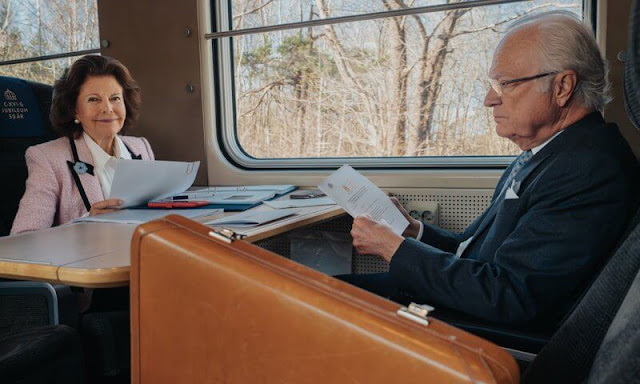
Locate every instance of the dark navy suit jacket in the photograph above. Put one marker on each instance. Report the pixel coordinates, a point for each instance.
(533, 255)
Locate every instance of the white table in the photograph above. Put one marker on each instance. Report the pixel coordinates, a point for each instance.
(97, 255)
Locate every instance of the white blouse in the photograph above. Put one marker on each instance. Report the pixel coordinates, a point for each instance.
(104, 165)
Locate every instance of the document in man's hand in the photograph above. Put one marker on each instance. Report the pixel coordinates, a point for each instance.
(137, 182)
(359, 196)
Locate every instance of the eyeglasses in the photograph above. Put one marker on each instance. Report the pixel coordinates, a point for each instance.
(498, 86)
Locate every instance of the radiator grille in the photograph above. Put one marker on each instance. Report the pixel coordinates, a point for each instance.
(457, 208)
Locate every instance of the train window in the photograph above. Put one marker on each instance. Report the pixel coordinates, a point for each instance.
(405, 90)
(40, 38)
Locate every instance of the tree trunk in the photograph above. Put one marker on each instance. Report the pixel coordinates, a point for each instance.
(401, 75)
(432, 62)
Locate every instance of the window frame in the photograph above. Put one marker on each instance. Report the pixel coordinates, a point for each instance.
(226, 122)
(60, 55)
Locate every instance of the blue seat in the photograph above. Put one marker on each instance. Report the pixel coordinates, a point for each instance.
(104, 331)
(24, 121)
(34, 348)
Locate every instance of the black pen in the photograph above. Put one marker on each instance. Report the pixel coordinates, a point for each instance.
(194, 195)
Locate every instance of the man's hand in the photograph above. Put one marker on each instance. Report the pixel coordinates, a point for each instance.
(373, 238)
(414, 225)
(105, 206)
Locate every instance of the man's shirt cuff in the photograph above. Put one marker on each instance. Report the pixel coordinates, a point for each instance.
(420, 232)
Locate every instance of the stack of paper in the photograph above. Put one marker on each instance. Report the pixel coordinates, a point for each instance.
(300, 203)
(253, 218)
(276, 189)
(246, 197)
(139, 216)
(136, 182)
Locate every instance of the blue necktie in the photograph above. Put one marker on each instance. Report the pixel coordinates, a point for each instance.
(520, 162)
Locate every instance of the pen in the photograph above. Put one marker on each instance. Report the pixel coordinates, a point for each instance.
(194, 195)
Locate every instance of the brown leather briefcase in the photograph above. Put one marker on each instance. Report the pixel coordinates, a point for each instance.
(207, 311)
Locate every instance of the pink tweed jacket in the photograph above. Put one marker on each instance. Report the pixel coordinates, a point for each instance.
(51, 197)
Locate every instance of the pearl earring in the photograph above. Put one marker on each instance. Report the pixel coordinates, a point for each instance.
(76, 121)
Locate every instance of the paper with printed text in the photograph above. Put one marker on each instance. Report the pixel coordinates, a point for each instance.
(359, 196)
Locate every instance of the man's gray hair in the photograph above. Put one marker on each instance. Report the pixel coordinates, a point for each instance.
(568, 43)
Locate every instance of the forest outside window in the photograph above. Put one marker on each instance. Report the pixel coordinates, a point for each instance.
(397, 87)
(32, 31)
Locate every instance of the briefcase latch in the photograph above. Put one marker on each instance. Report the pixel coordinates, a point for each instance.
(225, 234)
(416, 312)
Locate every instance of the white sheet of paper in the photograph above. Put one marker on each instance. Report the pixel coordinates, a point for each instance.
(253, 218)
(359, 196)
(138, 216)
(137, 182)
(299, 203)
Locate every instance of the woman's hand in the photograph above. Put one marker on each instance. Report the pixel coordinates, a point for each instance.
(105, 206)
(373, 238)
(414, 225)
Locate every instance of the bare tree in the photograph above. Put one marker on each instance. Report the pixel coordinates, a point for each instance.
(434, 54)
(403, 86)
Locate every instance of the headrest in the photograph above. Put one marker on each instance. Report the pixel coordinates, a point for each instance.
(632, 67)
(21, 112)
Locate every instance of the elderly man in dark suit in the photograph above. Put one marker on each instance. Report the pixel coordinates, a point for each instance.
(558, 209)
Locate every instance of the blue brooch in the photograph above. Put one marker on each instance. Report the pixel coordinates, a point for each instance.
(80, 168)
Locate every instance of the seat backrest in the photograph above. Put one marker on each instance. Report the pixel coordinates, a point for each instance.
(617, 359)
(568, 356)
(618, 356)
(605, 308)
(24, 121)
(46, 354)
(632, 68)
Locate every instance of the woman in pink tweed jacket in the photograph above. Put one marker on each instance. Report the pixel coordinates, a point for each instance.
(93, 101)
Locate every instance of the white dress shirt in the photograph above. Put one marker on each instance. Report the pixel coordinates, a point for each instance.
(463, 245)
(104, 165)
